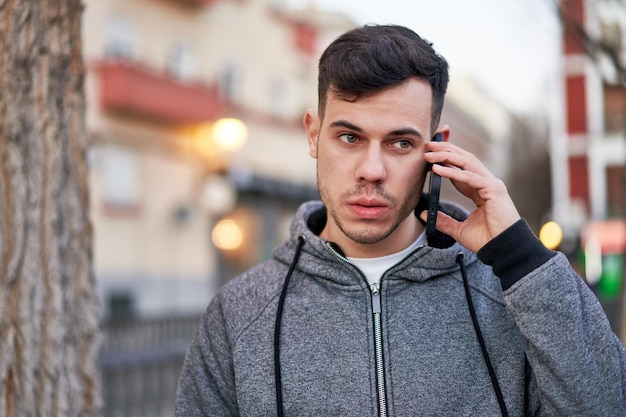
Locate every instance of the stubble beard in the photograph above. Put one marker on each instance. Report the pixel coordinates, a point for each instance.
(364, 234)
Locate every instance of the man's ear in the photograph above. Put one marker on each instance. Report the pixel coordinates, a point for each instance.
(312, 126)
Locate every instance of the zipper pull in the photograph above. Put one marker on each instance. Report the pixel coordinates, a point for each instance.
(375, 289)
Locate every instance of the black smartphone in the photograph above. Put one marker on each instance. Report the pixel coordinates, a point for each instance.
(434, 189)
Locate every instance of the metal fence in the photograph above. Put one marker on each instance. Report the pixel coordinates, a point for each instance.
(141, 361)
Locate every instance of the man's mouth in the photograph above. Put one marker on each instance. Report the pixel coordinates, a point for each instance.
(368, 208)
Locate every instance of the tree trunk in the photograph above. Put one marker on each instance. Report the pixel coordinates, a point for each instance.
(49, 335)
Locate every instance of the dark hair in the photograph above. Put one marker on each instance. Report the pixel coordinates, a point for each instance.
(366, 60)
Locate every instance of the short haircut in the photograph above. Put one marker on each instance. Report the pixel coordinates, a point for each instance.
(369, 59)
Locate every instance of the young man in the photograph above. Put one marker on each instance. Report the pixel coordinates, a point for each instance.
(358, 314)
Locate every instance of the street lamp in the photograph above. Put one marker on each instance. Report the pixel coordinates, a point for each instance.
(551, 235)
(229, 134)
(215, 140)
(227, 235)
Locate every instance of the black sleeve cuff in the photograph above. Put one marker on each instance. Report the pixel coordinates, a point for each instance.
(514, 253)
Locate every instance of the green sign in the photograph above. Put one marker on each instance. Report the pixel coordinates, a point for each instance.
(610, 283)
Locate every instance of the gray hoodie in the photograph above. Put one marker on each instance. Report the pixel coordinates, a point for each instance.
(408, 348)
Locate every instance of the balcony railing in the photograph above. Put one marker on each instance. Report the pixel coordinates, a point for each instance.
(130, 89)
(140, 361)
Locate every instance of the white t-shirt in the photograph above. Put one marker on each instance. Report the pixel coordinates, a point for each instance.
(374, 268)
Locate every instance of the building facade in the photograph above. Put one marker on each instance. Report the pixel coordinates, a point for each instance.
(176, 213)
(589, 145)
(160, 75)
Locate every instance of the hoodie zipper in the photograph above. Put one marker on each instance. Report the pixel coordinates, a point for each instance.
(378, 331)
(378, 336)
(378, 349)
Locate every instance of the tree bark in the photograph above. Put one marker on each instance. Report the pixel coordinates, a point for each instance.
(49, 335)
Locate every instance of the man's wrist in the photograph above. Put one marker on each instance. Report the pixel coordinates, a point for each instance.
(514, 253)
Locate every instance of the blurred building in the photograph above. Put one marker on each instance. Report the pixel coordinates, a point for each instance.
(589, 141)
(590, 119)
(160, 76)
(175, 211)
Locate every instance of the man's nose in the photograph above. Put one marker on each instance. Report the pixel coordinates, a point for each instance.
(372, 165)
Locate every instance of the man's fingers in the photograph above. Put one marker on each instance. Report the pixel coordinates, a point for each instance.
(444, 224)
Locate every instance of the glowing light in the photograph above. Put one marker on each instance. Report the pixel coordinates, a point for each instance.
(218, 196)
(551, 235)
(227, 235)
(230, 134)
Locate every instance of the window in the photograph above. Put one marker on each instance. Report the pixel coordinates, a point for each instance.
(229, 82)
(615, 192)
(120, 36)
(120, 179)
(181, 62)
(277, 97)
(614, 109)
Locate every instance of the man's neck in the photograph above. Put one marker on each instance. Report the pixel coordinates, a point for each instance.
(401, 238)
(374, 268)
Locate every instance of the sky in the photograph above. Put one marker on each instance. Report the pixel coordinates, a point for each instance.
(509, 47)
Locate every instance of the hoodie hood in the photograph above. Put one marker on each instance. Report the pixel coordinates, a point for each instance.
(318, 259)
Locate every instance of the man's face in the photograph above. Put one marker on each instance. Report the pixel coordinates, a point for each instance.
(370, 167)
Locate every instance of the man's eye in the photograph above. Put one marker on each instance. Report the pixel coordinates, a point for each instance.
(403, 144)
(348, 138)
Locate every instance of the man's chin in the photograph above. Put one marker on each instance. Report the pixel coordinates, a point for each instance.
(367, 236)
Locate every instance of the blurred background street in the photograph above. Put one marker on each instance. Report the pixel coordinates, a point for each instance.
(199, 159)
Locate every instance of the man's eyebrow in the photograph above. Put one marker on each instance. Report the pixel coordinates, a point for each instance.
(398, 132)
(406, 131)
(346, 124)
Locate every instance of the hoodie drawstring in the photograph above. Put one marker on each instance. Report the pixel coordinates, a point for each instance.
(479, 336)
(279, 315)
